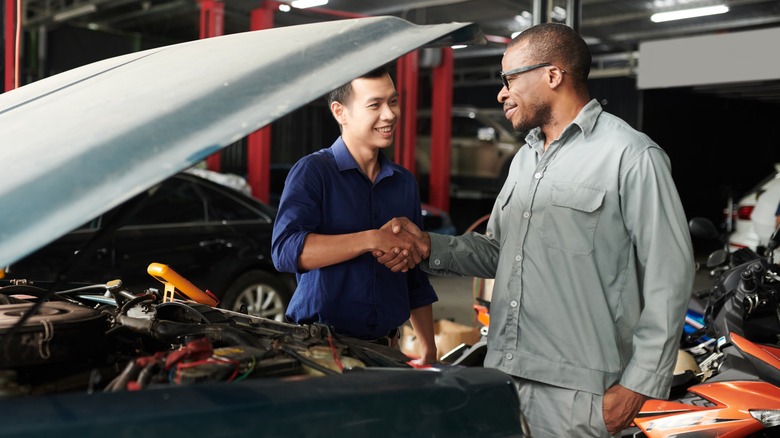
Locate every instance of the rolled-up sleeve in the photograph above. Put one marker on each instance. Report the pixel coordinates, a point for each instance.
(299, 214)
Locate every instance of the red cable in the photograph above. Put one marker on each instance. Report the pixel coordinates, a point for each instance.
(335, 355)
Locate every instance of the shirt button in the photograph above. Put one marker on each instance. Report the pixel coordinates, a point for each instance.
(518, 258)
(538, 175)
(526, 215)
(437, 262)
(513, 303)
(509, 356)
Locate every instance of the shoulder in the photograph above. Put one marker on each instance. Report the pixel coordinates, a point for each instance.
(318, 161)
(618, 133)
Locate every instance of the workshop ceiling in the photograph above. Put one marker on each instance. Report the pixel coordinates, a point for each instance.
(612, 28)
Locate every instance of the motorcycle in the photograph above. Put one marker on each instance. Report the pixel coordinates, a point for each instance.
(727, 379)
(727, 382)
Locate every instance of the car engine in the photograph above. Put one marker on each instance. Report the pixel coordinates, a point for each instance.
(102, 337)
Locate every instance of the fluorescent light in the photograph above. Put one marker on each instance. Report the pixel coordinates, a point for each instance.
(284, 8)
(459, 46)
(688, 13)
(78, 11)
(303, 4)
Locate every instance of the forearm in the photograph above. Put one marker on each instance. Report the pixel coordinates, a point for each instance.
(320, 250)
(470, 254)
(422, 323)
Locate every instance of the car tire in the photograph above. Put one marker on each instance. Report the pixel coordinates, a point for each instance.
(263, 295)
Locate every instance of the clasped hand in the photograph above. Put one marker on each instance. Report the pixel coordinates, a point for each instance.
(407, 245)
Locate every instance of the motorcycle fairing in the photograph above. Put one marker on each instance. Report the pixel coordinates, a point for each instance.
(765, 358)
(712, 409)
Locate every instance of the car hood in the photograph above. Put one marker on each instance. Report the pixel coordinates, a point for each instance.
(79, 143)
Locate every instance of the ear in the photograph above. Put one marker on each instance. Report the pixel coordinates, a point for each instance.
(339, 112)
(554, 77)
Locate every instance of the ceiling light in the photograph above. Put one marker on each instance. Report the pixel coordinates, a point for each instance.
(284, 8)
(303, 4)
(459, 46)
(688, 13)
(71, 13)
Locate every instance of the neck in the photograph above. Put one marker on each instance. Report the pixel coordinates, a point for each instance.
(367, 158)
(562, 116)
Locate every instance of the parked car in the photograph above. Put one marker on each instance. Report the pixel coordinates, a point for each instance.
(752, 226)
(216, 236)
(103, 359)
(483, 144)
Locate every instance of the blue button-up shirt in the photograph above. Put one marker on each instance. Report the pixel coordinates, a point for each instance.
(327, 193)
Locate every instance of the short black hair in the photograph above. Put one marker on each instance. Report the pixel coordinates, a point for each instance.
(343, 93)
(560, 45)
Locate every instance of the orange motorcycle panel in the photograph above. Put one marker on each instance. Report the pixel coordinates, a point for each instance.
(770, 355)
(716, 409)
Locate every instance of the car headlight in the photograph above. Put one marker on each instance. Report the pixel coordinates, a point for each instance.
(767, 417)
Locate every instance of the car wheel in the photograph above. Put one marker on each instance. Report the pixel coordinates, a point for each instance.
(261, 293)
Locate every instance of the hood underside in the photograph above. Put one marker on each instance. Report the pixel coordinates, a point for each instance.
(79, 143)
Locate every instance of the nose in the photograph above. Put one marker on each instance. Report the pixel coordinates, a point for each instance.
(389, 113)
(503, 95)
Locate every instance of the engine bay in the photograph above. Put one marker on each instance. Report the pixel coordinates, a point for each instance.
(102, 337)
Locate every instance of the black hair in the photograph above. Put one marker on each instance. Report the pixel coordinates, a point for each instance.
(559, 45)
(343, 93)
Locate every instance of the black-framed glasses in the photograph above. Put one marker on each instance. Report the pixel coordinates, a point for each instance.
(517, 71)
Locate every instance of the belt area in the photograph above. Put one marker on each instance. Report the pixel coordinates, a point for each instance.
(389, 340)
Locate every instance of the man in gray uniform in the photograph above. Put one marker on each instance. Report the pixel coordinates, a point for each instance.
(588, 244)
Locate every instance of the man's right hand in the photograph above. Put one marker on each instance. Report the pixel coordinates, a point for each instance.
(406, 230)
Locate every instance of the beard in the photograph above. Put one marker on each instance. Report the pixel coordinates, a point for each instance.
(539, 114)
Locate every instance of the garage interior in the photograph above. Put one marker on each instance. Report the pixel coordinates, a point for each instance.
(722, 137)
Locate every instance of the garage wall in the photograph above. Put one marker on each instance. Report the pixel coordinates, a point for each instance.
(718, 147)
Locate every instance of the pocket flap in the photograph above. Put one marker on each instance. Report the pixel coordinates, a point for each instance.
(578, 197)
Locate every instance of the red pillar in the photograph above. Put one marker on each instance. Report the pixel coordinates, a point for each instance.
(441, 131)
(10, 46)
(406, 135)
(258, 150)
(212, 18)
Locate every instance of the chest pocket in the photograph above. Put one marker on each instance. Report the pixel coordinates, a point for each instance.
(570, 219)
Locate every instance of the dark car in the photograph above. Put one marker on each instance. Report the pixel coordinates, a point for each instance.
(213, 235)
(104, 359)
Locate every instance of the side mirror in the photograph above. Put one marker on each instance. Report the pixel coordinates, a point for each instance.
(486, 134)
(717, 258)
(703, 228)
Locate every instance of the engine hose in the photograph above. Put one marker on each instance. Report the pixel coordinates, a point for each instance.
(306, 361)
(130, 303)
(171, 332)
(120, 382)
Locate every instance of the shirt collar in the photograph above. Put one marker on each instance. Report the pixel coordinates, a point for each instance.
(585, 120)
(345, 160)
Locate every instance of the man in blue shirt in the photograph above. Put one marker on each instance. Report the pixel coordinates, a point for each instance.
(333, 204)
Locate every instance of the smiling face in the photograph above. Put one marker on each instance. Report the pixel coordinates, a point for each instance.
(369, 117)
(525, 101)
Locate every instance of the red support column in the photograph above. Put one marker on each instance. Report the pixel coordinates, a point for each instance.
(406, 135)
(212, 18)
(9, 60)
(441, 131)
(258, 150)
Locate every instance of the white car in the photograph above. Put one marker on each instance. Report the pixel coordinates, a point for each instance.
(754, 214)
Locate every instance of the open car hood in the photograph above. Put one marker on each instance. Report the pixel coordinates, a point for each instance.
(79, 143)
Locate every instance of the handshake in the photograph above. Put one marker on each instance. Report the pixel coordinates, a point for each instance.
(401, 245)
